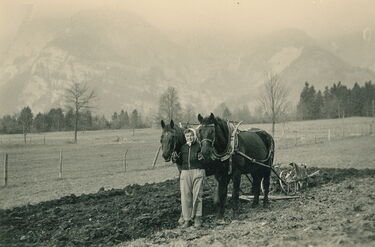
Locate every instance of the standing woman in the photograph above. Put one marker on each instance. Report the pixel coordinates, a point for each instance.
(191, 180)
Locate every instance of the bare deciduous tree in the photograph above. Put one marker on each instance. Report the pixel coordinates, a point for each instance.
(26, 119)
(78, 97)
(274, 99)
(169, 105)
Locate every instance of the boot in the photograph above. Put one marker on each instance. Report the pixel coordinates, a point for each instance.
(186, 224)
(198, 221)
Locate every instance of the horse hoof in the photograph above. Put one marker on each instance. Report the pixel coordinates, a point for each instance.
(220, 222)
(266, 205)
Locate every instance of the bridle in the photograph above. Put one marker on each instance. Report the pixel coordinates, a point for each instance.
(206, 139)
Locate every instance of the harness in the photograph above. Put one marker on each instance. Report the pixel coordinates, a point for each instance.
(232, 146)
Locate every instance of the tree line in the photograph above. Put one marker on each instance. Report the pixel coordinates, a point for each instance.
(58, 120)
(337, 101)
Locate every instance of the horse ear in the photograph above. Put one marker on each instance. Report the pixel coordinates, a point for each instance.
(212, 117)
(172, 124)
(162, 124)
(200, 118)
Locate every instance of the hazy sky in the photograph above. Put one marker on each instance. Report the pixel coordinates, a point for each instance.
(316, 17)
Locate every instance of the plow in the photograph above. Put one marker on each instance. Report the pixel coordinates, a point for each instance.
(287, 181)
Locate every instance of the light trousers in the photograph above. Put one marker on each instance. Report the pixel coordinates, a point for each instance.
(191, 186)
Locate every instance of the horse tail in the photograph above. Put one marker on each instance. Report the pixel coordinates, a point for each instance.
(270, 145)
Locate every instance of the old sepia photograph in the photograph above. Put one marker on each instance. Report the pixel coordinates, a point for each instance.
(187, 123)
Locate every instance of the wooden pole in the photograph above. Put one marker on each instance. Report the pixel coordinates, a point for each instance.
(271, 197)
(6, 170)
(44, 140)
(329, 135)
(156, 157)
(124, 159)
(61, 163)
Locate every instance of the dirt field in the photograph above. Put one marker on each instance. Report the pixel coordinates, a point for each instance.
(338, 210)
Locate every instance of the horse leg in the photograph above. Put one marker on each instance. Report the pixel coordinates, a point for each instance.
(266, 186)
(216, 192)
(256, 188)
(236, 177)
(222, 194)
(266, 180)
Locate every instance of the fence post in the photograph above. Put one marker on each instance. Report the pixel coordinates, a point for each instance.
(124, 159)
(44, 140)
(370, 129)
(329, 135)
(6, 170)
(156, 157)
(61, 163)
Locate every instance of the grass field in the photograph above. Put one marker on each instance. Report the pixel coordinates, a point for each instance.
(97, 160)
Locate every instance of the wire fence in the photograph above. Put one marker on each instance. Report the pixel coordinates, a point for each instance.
(53, 156)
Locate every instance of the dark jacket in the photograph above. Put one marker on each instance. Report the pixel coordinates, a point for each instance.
(188, 157)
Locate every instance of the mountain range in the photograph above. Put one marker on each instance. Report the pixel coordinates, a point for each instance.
(130, 63)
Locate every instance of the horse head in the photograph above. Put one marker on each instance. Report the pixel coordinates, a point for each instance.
(170, 139)
(211, 135)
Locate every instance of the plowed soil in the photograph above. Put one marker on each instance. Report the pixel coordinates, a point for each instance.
(337, 209)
